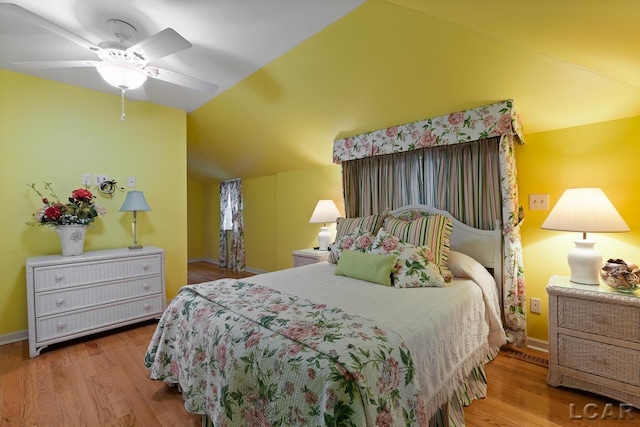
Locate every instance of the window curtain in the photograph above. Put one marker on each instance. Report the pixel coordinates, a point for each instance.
(232, 257)
(463, 179)
(471, 199)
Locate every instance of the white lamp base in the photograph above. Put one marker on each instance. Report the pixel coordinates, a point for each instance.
(324, 238)
(585, 263)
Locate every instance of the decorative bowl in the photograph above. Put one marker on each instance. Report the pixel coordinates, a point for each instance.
(621, 276)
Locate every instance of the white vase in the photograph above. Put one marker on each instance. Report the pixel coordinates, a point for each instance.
(71, 239)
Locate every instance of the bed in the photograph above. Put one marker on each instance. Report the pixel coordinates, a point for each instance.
(305, 346)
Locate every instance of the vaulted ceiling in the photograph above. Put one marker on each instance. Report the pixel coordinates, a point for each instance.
(296, 74)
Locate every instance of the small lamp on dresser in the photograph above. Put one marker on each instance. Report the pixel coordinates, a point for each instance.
(325, 212)
(135, 202)
(585, 210)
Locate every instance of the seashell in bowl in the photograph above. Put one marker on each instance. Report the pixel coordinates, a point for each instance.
(620, 278)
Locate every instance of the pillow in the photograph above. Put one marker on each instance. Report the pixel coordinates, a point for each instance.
(415, 265)
(366, 266)
(433, 230)
(371, 223)
(359, 240)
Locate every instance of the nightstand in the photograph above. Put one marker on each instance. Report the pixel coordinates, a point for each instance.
(594, 339)
(309, 256)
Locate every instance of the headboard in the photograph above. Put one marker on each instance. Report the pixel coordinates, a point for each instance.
(485, 246)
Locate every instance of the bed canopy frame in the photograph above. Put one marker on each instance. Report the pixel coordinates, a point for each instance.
(495, 120)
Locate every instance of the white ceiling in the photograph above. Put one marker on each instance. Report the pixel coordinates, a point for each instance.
(231, 38)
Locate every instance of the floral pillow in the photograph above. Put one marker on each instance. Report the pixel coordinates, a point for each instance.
(432, 230)
(415, 266)
(359, 240)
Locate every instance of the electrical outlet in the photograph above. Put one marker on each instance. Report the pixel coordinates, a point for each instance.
(538, 202)
(86, 179)
(101, 178)
(131, 181)
(535, 305)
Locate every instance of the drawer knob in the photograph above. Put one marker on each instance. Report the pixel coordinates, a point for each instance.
(60, 325)
(598, 318)
(147, 306)
(599, 359)
(145, 266)
(146, 286)
(59, 277)
(59, 301)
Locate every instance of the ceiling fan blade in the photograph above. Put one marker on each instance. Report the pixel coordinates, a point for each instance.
(48, 25)
(181, 80)
(56, 64)
(159, 45)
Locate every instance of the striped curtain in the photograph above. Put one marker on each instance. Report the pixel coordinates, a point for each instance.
(463, 179)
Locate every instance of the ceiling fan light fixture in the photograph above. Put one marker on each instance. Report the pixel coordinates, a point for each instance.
(122, 75)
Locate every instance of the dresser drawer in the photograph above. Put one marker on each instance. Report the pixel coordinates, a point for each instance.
(62, 300)
(57, 277)
(608, 361)
(52, 327)
(610, 320)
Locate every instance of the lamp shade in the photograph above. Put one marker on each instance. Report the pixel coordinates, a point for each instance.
(121, 75)
(586, 210)
(325, 211)
(135, 202)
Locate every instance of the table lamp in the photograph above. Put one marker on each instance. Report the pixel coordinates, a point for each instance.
(586, 210)
(135, 202)
(325, 211)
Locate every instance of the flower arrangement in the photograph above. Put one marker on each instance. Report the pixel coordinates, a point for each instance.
(80, 208)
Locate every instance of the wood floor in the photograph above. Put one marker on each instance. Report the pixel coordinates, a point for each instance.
(101, 381)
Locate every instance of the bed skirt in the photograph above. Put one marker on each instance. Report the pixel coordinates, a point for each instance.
(475, 387)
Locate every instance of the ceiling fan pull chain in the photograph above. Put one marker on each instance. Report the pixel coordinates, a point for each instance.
(123, 115)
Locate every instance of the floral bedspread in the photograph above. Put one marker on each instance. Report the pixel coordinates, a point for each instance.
(248, 355)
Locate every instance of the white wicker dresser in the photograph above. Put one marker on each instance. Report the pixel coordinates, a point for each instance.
(594, 339)
(69, 297)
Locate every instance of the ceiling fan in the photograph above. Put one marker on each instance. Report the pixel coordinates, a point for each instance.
(120, 64)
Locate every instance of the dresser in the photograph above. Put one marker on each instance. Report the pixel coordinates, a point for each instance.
(309, 256)
(70, 297)
(594, 339)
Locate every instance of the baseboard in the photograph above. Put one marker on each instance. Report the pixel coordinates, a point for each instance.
(14, 337)
(202, 259)
(213, 261)
(539, 345)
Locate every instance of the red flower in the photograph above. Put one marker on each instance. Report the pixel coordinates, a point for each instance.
(53, 212)
(45, 201)
(82, 194)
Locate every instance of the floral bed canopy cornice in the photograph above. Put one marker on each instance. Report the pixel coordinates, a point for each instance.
(488, 121)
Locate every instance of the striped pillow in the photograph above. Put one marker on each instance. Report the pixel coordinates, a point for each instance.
(371, 223)
(432, 230)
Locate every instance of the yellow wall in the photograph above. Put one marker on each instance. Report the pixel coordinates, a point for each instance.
(196, 214)
(55, 132)
(598, 155)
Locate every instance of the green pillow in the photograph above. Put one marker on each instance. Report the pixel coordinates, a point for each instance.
(370, 267)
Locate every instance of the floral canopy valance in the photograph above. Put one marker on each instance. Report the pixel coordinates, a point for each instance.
(492, 120)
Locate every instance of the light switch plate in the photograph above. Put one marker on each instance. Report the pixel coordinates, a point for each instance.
(86, 179)
(538, 202)
(131, 181)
